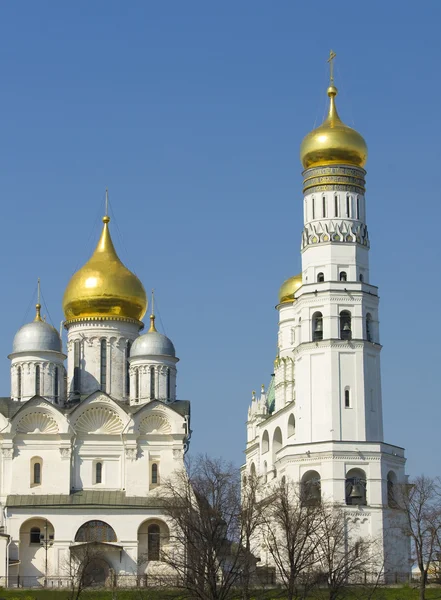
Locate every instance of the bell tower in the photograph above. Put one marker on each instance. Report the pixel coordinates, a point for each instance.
(324, 425)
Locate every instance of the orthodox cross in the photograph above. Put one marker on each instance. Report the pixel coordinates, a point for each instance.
(332, 55)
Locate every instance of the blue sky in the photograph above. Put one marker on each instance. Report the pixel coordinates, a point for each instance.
(192, 113)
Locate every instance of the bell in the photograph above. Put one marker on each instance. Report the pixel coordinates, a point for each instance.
(318, 326)
(314, 493)
(356, 492)
(346, 327)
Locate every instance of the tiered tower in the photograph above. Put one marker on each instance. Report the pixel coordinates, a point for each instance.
(324, 424)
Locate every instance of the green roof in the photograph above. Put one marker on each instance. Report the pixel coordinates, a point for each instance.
(83, 498)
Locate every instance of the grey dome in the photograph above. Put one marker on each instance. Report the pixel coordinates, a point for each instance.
(36, 336)
(152, 343)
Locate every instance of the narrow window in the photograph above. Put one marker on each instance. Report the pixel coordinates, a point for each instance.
(348, 206)
(155, 473)
(369, 327)
(343, 276)
(103, 370)
(153, 548)
(99, 472)
(37, 473)
(360, 277)
(357, 550)
(347, 399)
(320, 278)
(77, 372)
(168, 384)
(19, 383)
(313, 209)
(56, 385)
(35, 535)
(324, 206)
(37, 380)
(358, 208)
(128, 346)
(335, 206)
(317, 327)
(152, 383)
(137, 384)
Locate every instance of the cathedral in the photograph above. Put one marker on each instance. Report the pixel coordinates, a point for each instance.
(84, 446)
(319, 423)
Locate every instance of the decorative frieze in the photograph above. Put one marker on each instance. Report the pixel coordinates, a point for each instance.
(336, 231)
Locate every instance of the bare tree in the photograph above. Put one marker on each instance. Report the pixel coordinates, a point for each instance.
(251, 520)
(291, 531)
(420, 505)
(344, 558)
(87, 568)
(204, 507)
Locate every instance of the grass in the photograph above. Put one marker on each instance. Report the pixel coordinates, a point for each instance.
(392, 593)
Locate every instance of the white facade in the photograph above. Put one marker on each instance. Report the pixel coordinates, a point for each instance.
(321, 418)
(84, 450)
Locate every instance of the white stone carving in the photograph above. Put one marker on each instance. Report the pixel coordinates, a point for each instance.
(99, 420)
(37, 422)
(155, 424)
(7, 452)
(131, 453)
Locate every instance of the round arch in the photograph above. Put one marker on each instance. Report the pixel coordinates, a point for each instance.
(153, 539)
(95, 531)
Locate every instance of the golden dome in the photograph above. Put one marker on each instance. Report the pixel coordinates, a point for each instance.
(289, 288)
(104, 287)
(333, 142)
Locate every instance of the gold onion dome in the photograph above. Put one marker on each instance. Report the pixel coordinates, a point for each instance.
(104, 287)
(333, 142)
(289, 288)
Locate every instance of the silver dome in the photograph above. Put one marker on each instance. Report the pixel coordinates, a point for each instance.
(152, 343)
(36, 336)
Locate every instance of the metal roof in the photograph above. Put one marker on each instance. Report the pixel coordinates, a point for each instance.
(111, 499)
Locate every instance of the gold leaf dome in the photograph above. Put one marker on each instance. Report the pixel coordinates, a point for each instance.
(333, 142)
(104, 287)
(289, 288)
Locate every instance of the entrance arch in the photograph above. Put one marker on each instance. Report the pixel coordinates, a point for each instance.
(36, 552)
(95, 531)
(153, 538)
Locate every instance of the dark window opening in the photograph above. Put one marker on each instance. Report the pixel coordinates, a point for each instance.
(358, 208)
(345, 325)
(99, 472)
(37, 473)
(324, 206)
(348, 206)
(313, 209)
(35, 534)
(343, 276)
(154, 473)
(168, 387)
(19, 383)
(152, 383)
(320, 278)
(103, 369)
(368, 328)
(154, 545)
(336, 206)
(128, 346)
(317, 327)
(347, 399)
(56, 385)
(37, 380)
(95, 531)
(77, 371)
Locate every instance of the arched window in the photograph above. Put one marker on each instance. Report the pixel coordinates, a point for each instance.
(56, 385)
(152, 383)
(356, 488)
(265, 472)
(348, 206)
(137, 376)
(277, 443)
(320, 278)
(128, 346)
(253, 471)
(324, 206)
(335, 206)
(103, 370)
(311, 492)
(77, 368)
(358, 208)
(369, 327)
(35, 535)
(167, 384)
(391, 485)
(265, 442)
(343, 276)
(95, 531)
(347, 398)
(291, 425)
(19, 383)
(99, 472)
(37, 380)
(345, 325)
(37, 473)
(317, 326)
(154, 542)
(357, 549)
(155, 474)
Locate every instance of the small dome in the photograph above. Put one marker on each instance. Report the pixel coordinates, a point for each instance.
(333, 142)
(104, 287)
(37, 336)
(152, 343)
(289, 288)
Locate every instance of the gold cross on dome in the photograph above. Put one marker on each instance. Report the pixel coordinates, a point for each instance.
(332, 55)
